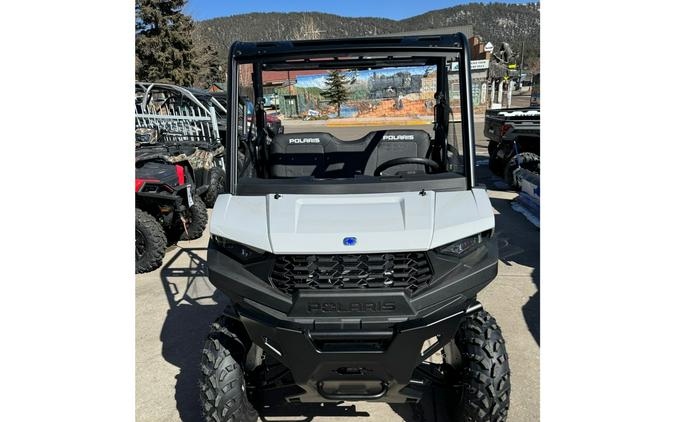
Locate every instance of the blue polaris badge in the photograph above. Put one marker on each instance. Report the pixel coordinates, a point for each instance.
(349, 241)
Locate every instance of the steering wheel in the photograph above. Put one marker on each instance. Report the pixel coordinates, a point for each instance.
(405, 160)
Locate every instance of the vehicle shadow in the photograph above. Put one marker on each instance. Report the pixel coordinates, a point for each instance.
(519, 241)
(519, 244)
(193, 304)
(531, 309)
(432, 408)
(308, 411)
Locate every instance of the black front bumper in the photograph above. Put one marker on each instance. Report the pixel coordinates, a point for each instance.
(354, 344)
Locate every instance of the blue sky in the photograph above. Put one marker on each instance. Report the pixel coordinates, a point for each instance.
(392, 9)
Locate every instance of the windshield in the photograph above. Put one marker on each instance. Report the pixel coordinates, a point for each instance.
(352, 125)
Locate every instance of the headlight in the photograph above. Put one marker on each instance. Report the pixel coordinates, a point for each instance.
(241, 253)
(461, 247)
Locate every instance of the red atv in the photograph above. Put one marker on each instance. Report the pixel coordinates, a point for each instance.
(168, 205)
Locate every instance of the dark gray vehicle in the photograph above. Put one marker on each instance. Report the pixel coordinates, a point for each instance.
(514, 141)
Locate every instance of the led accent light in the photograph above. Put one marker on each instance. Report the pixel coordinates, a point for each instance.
(461, 247)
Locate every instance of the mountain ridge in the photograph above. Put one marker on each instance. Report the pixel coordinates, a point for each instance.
(494, 22)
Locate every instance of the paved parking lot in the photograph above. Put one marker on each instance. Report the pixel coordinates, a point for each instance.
(176, 303)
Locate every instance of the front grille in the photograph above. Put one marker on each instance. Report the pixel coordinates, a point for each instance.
(408, 270)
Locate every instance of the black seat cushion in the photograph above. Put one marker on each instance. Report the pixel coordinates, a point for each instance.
(322, 155)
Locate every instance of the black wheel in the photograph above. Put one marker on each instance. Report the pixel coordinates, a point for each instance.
(527, 160)
(492, 147)
(481, 366)
(495, 165)
(150, 242)
(197, 218)
(216, 186)
(222, 387)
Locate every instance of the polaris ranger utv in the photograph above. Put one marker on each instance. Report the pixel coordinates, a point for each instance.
(350, 264)
(514, 141)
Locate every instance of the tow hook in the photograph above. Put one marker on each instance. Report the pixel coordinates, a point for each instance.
(473, 308)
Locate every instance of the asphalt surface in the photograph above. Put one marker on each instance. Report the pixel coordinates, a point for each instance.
(176, 303)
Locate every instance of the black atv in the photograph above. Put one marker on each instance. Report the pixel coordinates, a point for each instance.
(191, 122)
(169, 206)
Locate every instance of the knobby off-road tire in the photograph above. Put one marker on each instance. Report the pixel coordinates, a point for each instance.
(222, 387)
(216, 186)
(495, 165)
(492, 147)
(484, 375)
(528, 160)
(150, 242)
(197, 219)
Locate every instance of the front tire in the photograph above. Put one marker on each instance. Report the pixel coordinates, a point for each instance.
(495, 164)
(483, 371)
(222, 387)
(216, 186)
(150, 242)
(197, 219)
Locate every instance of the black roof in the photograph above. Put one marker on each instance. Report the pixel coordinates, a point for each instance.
(301, 49)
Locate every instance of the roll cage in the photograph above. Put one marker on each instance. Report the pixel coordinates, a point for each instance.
(188, 114)
(356, 53)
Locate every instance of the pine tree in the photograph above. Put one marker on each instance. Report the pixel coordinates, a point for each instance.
(209, 65)
(164, 51)
(336, 91)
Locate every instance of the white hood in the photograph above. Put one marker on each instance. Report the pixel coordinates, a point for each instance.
(301, 224)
